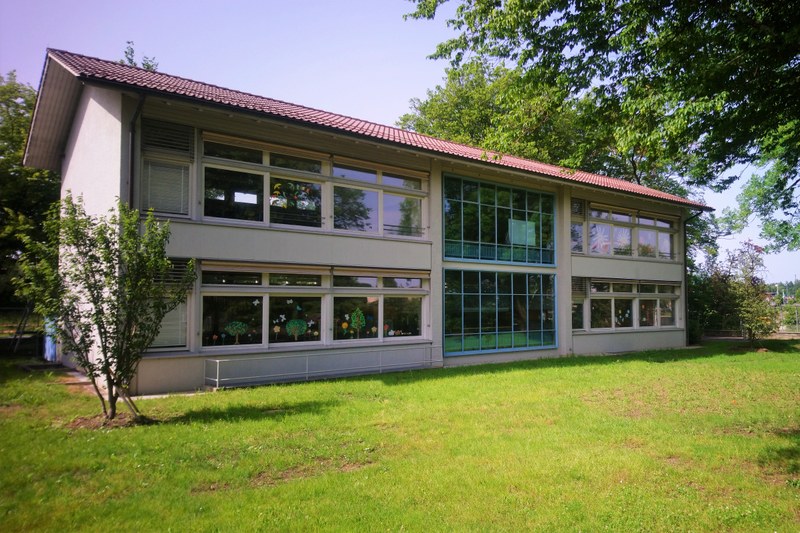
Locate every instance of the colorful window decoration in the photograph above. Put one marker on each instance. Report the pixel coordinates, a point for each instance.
(232, 320)
(294, 318)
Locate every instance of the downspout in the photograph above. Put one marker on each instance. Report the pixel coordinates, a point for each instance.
(132, 147)
(686, 279)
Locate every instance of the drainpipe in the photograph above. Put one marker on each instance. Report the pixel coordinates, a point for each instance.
(686, 279)
(132, 147)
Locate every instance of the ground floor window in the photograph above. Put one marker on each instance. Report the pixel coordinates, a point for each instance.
(624, 305)
(240, 307)
(487, 311)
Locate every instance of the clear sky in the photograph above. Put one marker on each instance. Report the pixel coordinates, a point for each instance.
(354, 57)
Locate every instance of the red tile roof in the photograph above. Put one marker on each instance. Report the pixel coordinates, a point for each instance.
(91, 68)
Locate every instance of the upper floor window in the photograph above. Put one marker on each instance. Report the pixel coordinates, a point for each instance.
(484, 221)
(166, 170)
(372, 206)
(619, 232)
(249, 181)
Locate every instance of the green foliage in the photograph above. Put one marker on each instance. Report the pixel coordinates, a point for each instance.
(688, 88)
(25, 193)
(148, 63)
(759, 316)
(106, 284)
(502, 110)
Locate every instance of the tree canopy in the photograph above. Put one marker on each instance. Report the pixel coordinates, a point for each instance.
(25, 193)
(702, 86)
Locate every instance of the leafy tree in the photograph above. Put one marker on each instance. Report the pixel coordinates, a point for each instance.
(699, 86)
(493, 107)
(25, 193)
(713, 304)
(106, 283)
(148, 63)
(759, 316)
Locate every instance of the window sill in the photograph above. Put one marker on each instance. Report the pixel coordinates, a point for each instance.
(622, 331)
(220, 222)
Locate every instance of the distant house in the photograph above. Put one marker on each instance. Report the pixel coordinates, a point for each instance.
(330, 246)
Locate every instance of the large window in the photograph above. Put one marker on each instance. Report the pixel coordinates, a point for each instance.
(234, 194)
(373, 201)
(283, 308)
(295, 203)
(488, 222)
(620, 232)
(248, 181)
(623, 305)
(492, 311)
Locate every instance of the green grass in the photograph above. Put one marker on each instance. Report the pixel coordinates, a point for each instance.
(702, 440)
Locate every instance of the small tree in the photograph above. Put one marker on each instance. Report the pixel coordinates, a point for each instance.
(106, 283)
(148, 63)
(760, 317)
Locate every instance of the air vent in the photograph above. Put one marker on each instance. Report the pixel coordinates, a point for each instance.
(579, 285)
(167, 136)
(578, 207)
(179, 269)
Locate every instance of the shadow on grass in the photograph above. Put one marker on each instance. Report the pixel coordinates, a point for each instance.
(707, 350)
(242, 412)
(785, 459)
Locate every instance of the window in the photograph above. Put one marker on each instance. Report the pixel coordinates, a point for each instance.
(167, 155)
(610, 232)
(625, 305)
(489, 222)
(232, 320)
(233, 194)
(295, 318)
(494, 311)
(577, 228)
(296, 203)
(173, 329)
(355, 317)
(356, 207)
(621, 233)
(165, 186)
(210, 277)
(577, 314)
(285, 308)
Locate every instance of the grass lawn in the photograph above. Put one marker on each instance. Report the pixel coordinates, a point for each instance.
(704, 440)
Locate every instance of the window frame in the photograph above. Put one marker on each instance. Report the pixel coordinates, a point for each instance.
(326, 291)
(616, 217)
(326, 180)
(487, 341)
(543, 253)
(613, 290)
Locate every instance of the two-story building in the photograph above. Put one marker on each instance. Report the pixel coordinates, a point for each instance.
(328, 245)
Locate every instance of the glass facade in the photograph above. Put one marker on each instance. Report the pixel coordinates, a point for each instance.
(488, 222)
(489, 311)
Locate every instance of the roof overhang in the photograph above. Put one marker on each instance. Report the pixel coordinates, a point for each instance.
(57, 100)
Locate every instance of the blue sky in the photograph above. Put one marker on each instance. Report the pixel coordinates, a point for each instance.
(353, 57)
